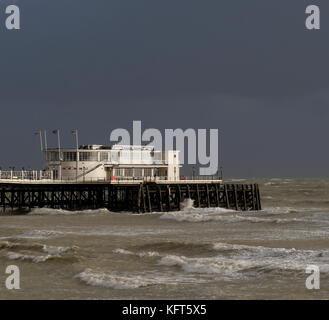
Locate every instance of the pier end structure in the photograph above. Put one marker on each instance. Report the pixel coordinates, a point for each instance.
(110, 163)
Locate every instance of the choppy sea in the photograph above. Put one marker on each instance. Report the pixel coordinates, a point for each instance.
(191, 254)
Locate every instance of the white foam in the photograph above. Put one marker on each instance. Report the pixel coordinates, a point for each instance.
(139, 254)
(270, 183)
(40, 234)
(238, 260)
(282, 210)
(235, 266)
(112, 281)
(49, 211)
(54, 250)
(187, 204)
(122, 251)
(212, 265)
(131, 281)
(278, 253)
(19, 256)
(205, 216)
(148, 254)
(81, 231)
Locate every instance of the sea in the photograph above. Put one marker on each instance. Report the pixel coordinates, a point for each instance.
(194, 253)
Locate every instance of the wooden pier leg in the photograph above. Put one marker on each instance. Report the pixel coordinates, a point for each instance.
(168, 198)
(179, 197)
(227, 199)
(198, 195)
(208, 198)
(244, 198)
(3, 200)
(254, 206)
(148, 198)
(217, 195)
(235, 197)
(12, 199)
(260, 203)
(160, 198)
(139, 198)
(188, 192)
(259, 207)
(143, 197)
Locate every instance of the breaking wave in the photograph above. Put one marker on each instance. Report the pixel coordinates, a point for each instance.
(206, 217)
(40, 234)
(35, 246)
(33, 258)
(263, 252)
(130, 281)
(243, 260)
(53, 250)
(192, 214)
(139, 254)
(233, 267)
(35, 252)
(101, 279)
(49, 211)
(124, 231)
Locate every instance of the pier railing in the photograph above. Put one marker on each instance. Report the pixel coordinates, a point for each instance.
(26, 175)
(47, 176)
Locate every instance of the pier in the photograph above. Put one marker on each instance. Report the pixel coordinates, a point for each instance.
(131, 178)
(133, 196)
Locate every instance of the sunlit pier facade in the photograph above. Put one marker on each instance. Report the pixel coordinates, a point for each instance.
(112, 163)
(117, 164)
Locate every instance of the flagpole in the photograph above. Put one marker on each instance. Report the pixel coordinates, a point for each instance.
(77, 141)
(76, 133)
(45, 136)
(59, 155)
(41, 145)
(46, 145)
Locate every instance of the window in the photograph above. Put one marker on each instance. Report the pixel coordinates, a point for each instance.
(147, 172)
(118, 172)
(138, 172)
(88, 156)
(69, 156)
(128, 172)
(115, 156)
(52, 156)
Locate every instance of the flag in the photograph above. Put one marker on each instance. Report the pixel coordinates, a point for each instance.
(74, 131)
(37, 133)
(55, 131)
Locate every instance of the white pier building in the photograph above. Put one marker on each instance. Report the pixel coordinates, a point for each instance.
(112, 163)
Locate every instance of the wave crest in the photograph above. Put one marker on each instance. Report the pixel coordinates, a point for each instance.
(49, 211)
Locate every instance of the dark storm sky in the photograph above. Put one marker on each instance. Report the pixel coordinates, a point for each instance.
(248, 68)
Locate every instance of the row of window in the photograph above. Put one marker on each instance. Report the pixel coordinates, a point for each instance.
(138, 172)
(74, 168)
(122, 156)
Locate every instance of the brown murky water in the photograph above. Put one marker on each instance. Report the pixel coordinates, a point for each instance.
(192, 254)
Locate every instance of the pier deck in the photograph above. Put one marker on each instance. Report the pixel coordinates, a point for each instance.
(133, 196)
